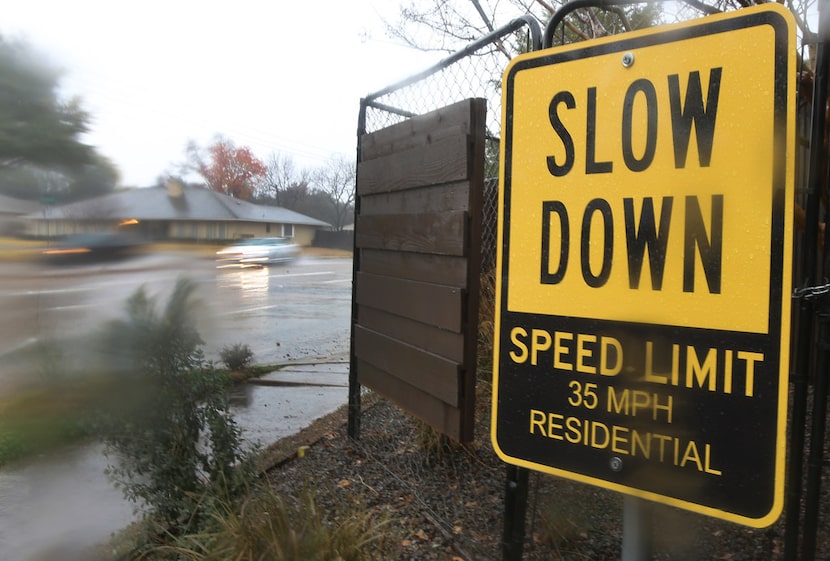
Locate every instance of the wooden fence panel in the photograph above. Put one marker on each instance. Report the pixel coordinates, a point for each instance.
(417, 261)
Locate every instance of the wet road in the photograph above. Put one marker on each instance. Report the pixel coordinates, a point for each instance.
(287, 312)
(297, 313)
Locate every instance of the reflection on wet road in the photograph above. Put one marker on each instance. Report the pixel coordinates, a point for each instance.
(300, 311)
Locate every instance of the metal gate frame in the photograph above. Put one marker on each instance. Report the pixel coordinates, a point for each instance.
(810, 368)
(811, 338)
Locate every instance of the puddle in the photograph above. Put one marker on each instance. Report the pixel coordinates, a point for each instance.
(268, 413)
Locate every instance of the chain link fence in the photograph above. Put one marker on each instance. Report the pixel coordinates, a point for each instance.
(475, 71)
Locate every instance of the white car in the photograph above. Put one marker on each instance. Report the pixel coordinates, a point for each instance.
(258, 251)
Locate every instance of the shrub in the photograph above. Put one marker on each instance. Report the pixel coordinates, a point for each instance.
(170, 430)
(264, 526)
(237, 357)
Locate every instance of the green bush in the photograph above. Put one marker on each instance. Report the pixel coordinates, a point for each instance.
(169, 430)
(237, 357)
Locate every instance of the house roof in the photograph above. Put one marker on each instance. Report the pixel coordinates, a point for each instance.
(10, 205)
(184, 203)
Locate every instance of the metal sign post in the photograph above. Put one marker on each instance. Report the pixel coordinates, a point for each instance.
(637, 525)
(643, 279)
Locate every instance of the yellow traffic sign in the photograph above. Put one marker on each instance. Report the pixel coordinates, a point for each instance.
(644, 267)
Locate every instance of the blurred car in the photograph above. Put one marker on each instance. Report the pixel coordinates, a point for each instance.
(91, 246)
(258, 251)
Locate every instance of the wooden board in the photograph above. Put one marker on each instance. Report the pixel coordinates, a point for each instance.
(435, 375)
(441, 161)
(431, 339)
(419, 130)
(439, 198)
(442, 233)
(432, 304)
(436, 269)
(435, 412)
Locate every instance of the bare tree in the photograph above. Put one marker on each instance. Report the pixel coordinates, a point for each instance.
(336, 179)
(444, 25)
(448, 25)
(283, 182)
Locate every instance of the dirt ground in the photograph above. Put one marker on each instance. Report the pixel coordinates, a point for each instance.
(447, 503)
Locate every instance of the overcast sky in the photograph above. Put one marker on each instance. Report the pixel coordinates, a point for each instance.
(278, 76)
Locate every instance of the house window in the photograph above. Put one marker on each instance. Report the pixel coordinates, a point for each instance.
(288, 230)
(268, 228)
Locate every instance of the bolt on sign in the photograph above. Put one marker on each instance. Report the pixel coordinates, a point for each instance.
(645, 258)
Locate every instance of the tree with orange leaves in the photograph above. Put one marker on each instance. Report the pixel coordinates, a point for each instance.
(229, 169)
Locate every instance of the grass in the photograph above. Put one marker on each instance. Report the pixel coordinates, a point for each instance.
(51, 416)
(263, 525)
(251, 371)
